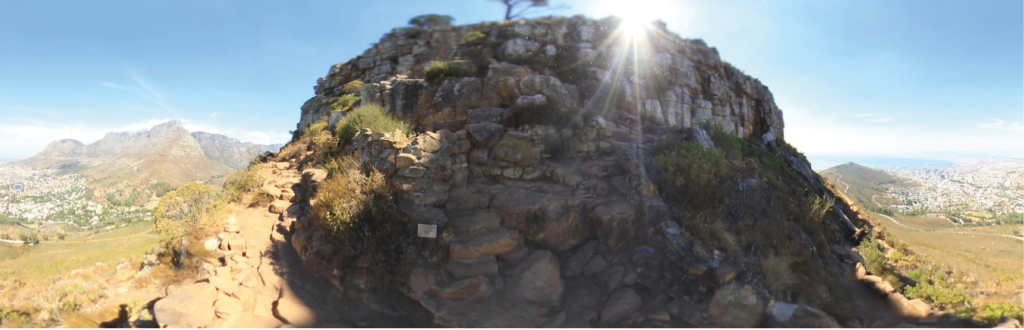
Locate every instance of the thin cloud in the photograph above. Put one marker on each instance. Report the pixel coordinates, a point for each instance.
(874, 118)
(143, 90)
(20, 139)
(1000, 124)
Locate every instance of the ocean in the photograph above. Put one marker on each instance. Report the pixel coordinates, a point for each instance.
(819, 163)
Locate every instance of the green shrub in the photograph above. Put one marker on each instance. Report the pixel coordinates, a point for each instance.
(693, 173)
(370, 116)
(325, 147)
(241, 183)
(183, 209)
(352, 87)
(438, 71)
(344, 103)
(355, 215)
(992, 312)
(473, 37)
(160, 188)
(429, 20)
(951, 300)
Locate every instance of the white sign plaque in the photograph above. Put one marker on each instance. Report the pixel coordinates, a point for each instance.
(427, 231)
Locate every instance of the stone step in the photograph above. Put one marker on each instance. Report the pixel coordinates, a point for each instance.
(485, 244)
(467, 222)
(471, 268)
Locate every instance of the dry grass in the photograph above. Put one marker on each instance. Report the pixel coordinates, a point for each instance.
(294, 149)
(354, 219)
(984, 256)
(777, 274)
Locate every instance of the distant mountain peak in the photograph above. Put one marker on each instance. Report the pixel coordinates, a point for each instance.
(166, 144)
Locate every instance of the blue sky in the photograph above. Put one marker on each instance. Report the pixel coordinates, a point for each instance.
(883, 78)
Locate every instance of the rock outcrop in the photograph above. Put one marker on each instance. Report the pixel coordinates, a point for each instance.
(561, 221)
(573, 62)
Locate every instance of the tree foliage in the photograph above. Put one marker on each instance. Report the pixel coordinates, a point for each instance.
(517, 8)
(183, 208)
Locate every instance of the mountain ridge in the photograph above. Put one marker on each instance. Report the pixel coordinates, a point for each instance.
(165, 152)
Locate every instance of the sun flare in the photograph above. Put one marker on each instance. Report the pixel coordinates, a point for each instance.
(636, 15)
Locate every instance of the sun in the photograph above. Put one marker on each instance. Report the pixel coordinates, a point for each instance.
(636, 15)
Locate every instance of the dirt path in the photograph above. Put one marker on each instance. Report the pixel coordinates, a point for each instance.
(300, 298)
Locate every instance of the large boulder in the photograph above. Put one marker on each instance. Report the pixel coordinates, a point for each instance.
(551, 88)
(736, 306)
(486, 244)
(186, 307)
(453, 100)
(408, 97)
(614, 223)
(537, 278)
(518, 50)
(501, 86)
(485, 135)
(552, 221)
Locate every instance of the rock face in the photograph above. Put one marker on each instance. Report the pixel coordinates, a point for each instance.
(556, 222)
(703, 87)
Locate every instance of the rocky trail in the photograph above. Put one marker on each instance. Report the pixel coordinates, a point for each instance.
(262, 283)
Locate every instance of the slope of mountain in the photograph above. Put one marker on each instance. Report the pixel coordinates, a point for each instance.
(166, 152)
(861, 182)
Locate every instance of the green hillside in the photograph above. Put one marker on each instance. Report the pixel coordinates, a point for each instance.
(862, 182)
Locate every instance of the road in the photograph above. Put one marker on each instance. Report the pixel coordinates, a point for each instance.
(844, 183)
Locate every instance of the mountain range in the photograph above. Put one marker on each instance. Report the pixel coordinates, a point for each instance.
(166, 152)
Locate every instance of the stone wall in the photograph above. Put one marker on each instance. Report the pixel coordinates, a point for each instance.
(575, 62)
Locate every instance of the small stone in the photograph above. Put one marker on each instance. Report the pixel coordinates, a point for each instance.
(447, 136)
(237, 243)
(466, 288)
(278, 207)
(412, 171)
(574, 266)
(611, 277)
(621, 304)
(725, 272)
(405, 160)
(211, 244)
(596, 265)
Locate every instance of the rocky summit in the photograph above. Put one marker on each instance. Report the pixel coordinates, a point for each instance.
(557, 172)
(574, 62)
